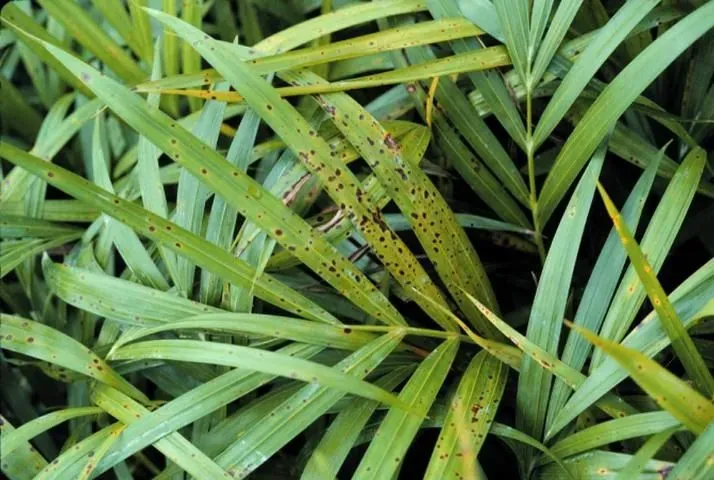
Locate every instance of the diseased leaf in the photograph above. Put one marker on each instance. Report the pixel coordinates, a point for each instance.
(691, 300)
(257, 360)
(655, 244)
(45, 343)
(681, 341)
(169, 234)
(471, 413)
(672, 394)
(16, 438)
(283, 225)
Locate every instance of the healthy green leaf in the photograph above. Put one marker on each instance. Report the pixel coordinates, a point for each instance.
(548, 310)
(599, 290)
(337, 441)
(398, 428)
(615, 99)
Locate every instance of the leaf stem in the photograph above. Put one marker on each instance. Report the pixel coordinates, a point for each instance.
(530, 151)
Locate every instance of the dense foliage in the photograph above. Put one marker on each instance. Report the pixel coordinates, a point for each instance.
(239, 239)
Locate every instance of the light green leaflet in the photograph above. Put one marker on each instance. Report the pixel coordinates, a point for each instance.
(15, 226)
(116, 298)
(203, 253)
(45, 343)
(91, 36)
(681, 341)
(397, 430)
(314, 153)
(539, 15)
(599, 290)
(671, 393)
(54, 136)
(338, 440)
(126, 240)
(645, 453)
(192, 195)
(615, 99)
(612, 431)
(223, 218)
(338, 20)
(236, 187)
(190, 406)
(697, 463)
(16, 438)
(658, 239)
(466, 220)
(483, 14)
(257, 360)
(14, 252)
(151, 189)
(287, 328)
(26, 462)
(471, 412)
(174, 446)
(296, 413)
(559, 25)
(692, 301)
(514, 18)
(548, 310)
(599, 464)
(33, 191)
